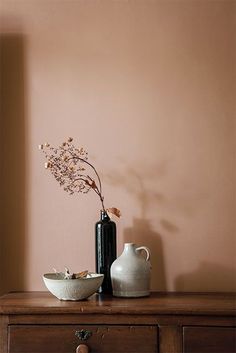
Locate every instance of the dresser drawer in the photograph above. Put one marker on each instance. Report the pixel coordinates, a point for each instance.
(209, 339)
(62, 338)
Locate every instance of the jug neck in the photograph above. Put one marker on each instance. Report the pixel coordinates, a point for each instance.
(129, 247)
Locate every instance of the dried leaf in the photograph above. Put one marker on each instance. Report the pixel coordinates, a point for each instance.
(67, 275)
(115, 211)
(82, 274)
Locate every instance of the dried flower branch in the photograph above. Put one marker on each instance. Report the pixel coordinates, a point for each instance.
(70, 167)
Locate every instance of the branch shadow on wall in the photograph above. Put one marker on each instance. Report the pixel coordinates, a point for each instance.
(13, 162)
(142, 232)
(132, 181)
(208, 276)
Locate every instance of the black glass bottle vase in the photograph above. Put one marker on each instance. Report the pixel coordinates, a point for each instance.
(105, 232)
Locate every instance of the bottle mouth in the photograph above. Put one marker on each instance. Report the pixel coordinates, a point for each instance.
(104, 215)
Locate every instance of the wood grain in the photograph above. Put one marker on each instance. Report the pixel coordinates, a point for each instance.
(170, 339)
(157, 303)
(209, 339)
(62, 339)
(164, 322)
(3, 333)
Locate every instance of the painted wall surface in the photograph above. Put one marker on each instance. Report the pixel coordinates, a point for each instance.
(148, 88)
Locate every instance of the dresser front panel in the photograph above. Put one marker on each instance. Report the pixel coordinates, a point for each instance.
(209, 339)
(62, 339)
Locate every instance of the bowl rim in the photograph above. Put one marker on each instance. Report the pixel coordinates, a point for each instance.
(93, 276)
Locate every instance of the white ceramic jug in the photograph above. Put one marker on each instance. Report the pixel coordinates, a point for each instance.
(131, 272)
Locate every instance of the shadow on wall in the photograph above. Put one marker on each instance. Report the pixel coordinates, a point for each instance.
(142, 234)
(210, 276)
(132, 180)
(13, 162)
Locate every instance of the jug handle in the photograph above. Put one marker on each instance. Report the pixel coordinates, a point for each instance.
(146, 250)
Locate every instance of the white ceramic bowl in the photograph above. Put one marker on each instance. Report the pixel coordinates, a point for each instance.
(72, 289)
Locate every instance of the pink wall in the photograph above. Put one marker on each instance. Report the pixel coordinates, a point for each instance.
(148, 88)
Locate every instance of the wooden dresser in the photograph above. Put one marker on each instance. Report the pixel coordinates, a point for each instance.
(37, 322)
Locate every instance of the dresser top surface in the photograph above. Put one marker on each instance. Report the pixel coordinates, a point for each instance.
(158, 303)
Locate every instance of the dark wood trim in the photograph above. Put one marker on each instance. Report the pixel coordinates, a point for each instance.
(173, 320)
(170, 339)
(3, 333)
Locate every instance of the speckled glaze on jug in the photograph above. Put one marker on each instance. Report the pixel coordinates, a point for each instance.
(131, 272)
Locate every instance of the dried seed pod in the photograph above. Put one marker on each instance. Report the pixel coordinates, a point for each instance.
(82, 274)
(67, 274)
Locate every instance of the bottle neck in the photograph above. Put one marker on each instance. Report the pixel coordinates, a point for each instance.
(104, 216)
